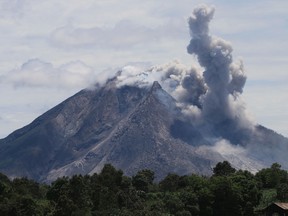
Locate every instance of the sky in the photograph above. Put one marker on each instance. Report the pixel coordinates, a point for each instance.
(49, 50)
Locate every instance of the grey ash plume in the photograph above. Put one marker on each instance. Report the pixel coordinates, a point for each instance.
(224, 78)
(210, 95)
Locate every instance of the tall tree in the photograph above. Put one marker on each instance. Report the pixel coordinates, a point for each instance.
(223, 169)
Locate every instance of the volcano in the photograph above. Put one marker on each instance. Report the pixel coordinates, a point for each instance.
(132, 128)
(169, 119)
(106, 125)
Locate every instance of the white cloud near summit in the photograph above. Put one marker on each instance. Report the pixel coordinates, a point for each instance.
(37, 73)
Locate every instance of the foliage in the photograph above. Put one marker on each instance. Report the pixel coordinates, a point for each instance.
(226, 192)
(223, 169)
(272, 177)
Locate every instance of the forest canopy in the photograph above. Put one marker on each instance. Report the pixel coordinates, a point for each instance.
(226, 192)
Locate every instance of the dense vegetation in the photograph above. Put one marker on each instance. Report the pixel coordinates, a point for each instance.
(226, 192)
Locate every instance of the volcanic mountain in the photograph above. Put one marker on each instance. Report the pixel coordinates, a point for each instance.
(130, 127)
(169, 119)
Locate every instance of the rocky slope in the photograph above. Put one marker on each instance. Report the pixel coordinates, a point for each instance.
(132, 128)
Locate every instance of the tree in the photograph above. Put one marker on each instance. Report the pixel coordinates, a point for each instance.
(173, 203)
(26, 206)
(223, 169)
(110, 177)
(78, 192)
(64, 206)
(190, 201)
(282, 192)
(58, 188)
(170, 182)
(272, 177)
(143, 179)
(205, 201)
(246, 184)
(108, 184)
(26, 186)
(227, 197)
(5, 185)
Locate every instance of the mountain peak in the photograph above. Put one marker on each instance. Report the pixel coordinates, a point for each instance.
(156, 86)
(132, 128)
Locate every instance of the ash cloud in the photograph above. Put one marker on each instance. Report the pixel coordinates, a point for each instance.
(210, 94)
(185, 84)
(224, 78)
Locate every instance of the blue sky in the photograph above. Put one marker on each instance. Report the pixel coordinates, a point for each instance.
(51, 49)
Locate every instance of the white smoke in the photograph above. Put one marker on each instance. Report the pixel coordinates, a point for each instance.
(185, 84)
(237, 155)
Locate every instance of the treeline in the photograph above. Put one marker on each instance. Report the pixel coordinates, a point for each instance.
(226, 192)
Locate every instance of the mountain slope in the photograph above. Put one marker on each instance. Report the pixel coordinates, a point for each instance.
(66, 131)
(143, 140)
(132, 128)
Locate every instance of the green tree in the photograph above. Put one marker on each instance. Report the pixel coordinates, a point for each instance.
(190, 201)
(205, 201)
(26, 206)
(223, 169)
(170, 182)
(64, 206)
(108, 184)
(79, 193)
(227, 197)
(110, 177)
(24, 186)
(282, 192)
(173, 203)
(143, 179)
(248, 187)
(57, 189)
(5, 185)
(272, 177)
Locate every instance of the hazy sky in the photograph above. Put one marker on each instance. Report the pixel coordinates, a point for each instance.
(49, 50)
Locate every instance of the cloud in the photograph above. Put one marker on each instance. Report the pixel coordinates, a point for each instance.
(238, 156)
(11, 8)
(225, 78)
(209, 96)
(224, 147)
(185, 84)
(38, 73)
(124, 35)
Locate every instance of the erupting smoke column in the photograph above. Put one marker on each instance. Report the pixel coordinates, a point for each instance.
(208, 98)
(224, 78)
